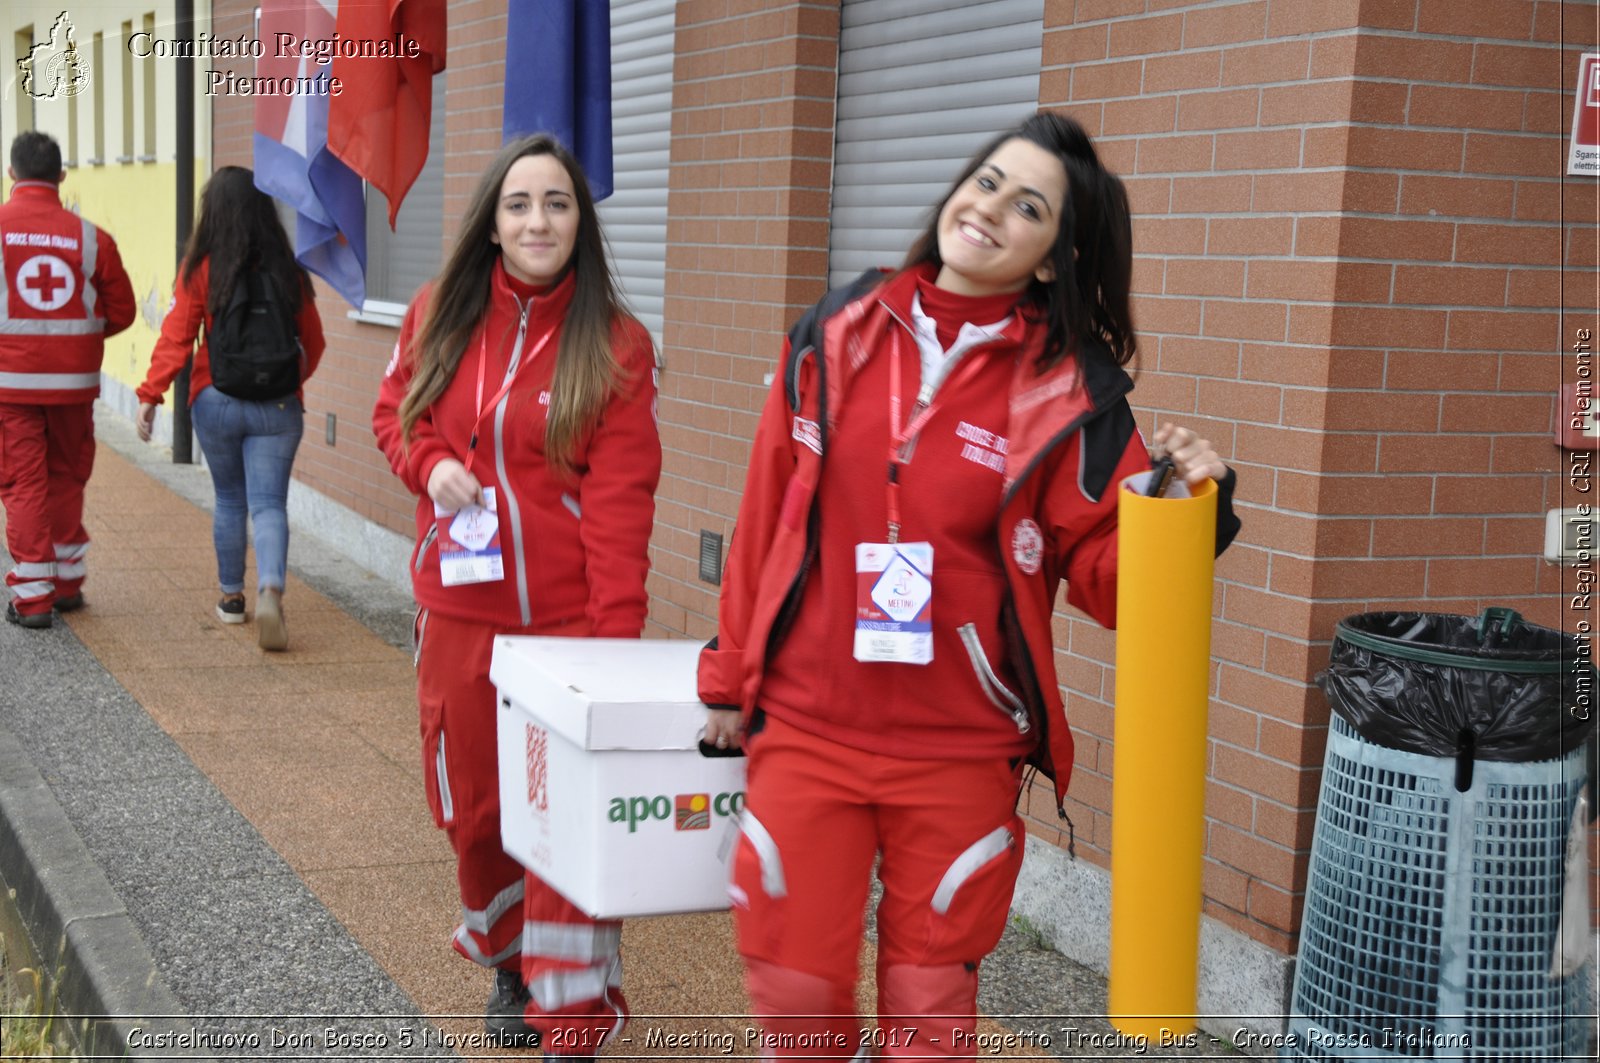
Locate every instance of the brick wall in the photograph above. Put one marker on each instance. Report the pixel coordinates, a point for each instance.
(351, 471)
(1357, 267)
(1349, 237)
(747, 248)
(752, 144)
(231, 116)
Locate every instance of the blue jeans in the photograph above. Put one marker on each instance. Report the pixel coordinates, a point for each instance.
(249, 447)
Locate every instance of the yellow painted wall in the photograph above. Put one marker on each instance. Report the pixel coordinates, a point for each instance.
(137, 205)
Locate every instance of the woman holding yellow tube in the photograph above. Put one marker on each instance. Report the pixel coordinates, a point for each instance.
(941, 448)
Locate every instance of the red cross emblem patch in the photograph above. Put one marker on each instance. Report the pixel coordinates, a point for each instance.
(45, 282)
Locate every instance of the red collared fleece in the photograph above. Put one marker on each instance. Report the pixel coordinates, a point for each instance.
(182, 326)
(574, 547)
(1014, 481)
(964, 703)
(66, 291)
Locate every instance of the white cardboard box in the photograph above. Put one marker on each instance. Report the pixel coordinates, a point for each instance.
(603, 791)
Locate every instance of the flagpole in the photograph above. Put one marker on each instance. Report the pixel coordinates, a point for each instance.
(182, 434)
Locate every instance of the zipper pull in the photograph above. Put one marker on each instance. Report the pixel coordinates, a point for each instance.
(522, 333)
(909, 447)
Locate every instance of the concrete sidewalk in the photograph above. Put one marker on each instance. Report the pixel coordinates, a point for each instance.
(230, 854)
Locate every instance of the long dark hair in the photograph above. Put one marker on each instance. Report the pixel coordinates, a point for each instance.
(1086, 303)
(239, 230)
(586, 372)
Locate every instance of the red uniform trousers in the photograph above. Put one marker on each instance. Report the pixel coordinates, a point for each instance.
(571, 963)
(817, 814)
(46, 456)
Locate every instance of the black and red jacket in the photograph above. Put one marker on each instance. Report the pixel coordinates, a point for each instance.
(188, 319)
(575, 548)
(1069, 439)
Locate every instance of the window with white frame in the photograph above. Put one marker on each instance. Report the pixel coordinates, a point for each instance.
(401, 261)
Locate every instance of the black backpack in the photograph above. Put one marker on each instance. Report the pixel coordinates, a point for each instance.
(254, 345)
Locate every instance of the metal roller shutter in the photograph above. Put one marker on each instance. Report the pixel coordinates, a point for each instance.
(922, 85)
(635, 214)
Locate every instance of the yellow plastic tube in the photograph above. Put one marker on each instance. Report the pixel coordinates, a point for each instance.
(1164, 586)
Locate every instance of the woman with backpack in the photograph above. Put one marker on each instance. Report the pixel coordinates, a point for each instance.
(247, 313)
(941, 447)
(520, 405)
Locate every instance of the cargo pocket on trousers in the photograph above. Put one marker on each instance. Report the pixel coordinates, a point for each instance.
(430, 713)
(419, 630)
(968, 912)
(436, 775)
(757, 888)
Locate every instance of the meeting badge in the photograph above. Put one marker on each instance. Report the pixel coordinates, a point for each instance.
(469, 543)
(894, 599)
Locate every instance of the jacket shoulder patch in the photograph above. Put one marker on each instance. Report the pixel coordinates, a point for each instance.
(807, 433)
(1027, 546)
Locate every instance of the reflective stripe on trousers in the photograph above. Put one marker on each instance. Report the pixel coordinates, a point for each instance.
(468, 947)
(32, 580)
(484, 918)
(573, 942)
(70, 560)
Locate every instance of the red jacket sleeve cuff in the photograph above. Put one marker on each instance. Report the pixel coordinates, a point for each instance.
(719, 677)
(424, 457)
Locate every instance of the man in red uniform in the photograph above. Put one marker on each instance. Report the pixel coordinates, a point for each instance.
(65, 291)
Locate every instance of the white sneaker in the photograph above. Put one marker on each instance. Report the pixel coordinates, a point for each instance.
(271, 632)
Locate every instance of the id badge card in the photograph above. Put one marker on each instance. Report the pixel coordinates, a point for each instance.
(894, 602)
(469, 543)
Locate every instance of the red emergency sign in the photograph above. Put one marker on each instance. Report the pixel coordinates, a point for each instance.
(1583, 154)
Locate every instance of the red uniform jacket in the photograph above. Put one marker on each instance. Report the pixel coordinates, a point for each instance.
(1070, 440)
(181, 327)
(65, 292)
(574, 548)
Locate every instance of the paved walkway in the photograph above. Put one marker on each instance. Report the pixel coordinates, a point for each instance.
(242, 864)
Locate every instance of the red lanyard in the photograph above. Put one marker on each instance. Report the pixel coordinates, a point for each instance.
(901, 439)
(483, 361)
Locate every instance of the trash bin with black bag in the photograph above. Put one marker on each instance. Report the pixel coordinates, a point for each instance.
(1452, 831)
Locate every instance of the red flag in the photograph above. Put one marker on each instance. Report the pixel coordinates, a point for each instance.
(292, 162)
(389, 51)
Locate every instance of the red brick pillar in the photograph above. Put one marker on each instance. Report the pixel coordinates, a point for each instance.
(747, 250)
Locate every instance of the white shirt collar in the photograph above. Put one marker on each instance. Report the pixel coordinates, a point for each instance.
(936, 360)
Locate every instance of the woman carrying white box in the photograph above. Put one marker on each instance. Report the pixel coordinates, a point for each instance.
(520, 408)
